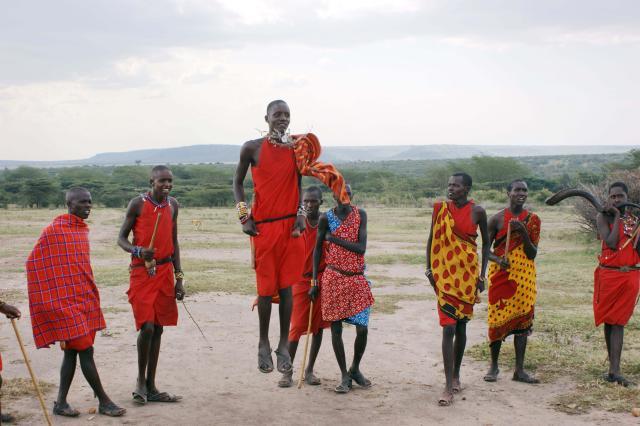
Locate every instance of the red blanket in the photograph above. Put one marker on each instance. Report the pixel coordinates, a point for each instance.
(63, 297)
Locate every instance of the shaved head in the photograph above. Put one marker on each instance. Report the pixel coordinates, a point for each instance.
(314, 190)
(158, 169)
(274, 103)
(76, 193)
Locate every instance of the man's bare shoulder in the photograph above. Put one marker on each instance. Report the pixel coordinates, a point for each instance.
(252, 144)
(497, 216)
(477, 208)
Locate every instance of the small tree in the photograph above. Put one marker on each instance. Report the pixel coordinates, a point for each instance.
(587, 213)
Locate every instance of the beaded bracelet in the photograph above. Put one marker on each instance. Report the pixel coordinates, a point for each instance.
(243, 211)
(179, 275)
(137, 252)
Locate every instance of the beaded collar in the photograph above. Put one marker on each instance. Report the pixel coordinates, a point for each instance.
(628, 223)
(148, 197)
(281, 140)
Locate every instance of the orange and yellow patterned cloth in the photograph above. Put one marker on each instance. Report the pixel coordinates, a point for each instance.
(454, 260)
(512, 292)
(307, 151)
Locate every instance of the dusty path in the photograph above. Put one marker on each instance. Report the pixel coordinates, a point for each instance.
(223, 385)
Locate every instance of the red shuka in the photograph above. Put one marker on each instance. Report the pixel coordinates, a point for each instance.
(152, 298)
(63, 298)
(616, 292)
(279, 257)
(301, 301)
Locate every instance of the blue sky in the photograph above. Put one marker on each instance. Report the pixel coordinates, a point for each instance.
(82, 77)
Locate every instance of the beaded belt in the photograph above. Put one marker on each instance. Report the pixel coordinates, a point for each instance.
(346, 273)
(621, 268)
(158, 262)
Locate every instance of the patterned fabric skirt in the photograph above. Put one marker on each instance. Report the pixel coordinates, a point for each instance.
(346, 298)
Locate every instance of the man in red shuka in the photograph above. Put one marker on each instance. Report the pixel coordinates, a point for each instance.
(312, 199)
(617, 277)
(64, 301)
(155, 276)
(275, 223)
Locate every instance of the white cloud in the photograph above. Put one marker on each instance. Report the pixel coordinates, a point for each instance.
(354, 9)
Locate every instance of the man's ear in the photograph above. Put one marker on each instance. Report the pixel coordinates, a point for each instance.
(150, 182)
(266, 118)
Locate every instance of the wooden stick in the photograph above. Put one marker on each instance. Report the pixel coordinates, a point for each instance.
(253, 253)
(150, 264)
(33, 376)
(306, 346)
(632, 237)
(507, 242)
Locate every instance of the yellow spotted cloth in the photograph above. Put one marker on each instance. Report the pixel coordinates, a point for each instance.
(512, 292)
(454, 260)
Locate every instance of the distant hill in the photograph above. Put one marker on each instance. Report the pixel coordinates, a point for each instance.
(196, 154)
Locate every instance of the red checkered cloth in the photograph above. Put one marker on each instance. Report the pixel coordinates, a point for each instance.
(63, 297)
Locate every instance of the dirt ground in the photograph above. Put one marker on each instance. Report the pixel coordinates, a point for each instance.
(222, 385)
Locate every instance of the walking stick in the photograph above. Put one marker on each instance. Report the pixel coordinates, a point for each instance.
(306, 346)
(33, 376)
(151, 264)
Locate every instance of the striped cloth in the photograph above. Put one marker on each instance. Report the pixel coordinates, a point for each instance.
(63, 297)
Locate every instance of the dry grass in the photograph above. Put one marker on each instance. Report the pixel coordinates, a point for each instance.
(388, 303)
(20, 387)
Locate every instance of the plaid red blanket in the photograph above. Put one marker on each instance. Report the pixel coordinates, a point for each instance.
(63, 297)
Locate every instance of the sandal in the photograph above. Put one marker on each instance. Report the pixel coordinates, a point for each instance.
(359, 378)
(284, 361)
(446, 399)
(111, 410)
(615, 378)
(492, 376)
(139, 398)
(65, 411)
(525, 378)
(287, 380)
(265, 362)
(163, 397)
(312, 380)
(7, 418)
(345, 386)
(457, 387)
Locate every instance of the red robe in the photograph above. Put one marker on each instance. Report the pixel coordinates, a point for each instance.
(63, 298)
(301, 301)
(152, 298)
(279, 257)
(616, 292)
